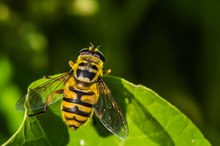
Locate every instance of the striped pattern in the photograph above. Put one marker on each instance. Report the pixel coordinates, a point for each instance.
(80, 93)
(75, 111)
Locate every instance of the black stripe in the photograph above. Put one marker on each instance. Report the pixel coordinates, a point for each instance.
(83, 64)
(85, 74)
(80, 93)
(74, 126)
(94, 67)
(76, 110)
(74, 118)
(77, 101)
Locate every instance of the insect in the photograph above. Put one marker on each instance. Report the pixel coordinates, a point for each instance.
(83, 92)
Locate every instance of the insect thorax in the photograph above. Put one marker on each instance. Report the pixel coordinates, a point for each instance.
(87, 69)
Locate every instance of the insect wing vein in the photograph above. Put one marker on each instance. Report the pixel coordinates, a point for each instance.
(109, 112)
(39, 91)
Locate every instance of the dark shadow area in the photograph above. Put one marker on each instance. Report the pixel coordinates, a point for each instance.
(147, 123)
(54, 127)
(56, 130)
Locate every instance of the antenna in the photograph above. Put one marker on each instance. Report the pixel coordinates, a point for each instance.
(91, 45)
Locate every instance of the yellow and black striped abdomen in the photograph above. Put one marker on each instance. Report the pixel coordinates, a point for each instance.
(77, 106)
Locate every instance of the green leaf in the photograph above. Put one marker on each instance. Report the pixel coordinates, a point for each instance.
(152, 121)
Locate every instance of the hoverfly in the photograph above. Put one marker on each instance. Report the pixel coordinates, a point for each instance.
(82, 91)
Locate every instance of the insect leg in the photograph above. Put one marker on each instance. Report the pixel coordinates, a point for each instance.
(48, 102)
(71, 63)
(42, 112)
(51, 97)
(108, 71)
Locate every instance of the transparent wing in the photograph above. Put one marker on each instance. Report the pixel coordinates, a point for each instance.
(39, 91)
(109, 112)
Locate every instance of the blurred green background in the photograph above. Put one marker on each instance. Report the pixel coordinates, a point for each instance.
(172, 47)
